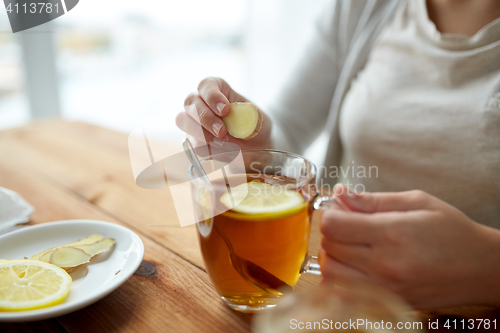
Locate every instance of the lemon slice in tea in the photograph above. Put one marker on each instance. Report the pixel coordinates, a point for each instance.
(30, 284)
(262, 198)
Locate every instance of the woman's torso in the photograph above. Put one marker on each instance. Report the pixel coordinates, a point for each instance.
(425, 113)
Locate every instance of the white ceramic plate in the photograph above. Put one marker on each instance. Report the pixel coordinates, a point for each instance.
(90, 282)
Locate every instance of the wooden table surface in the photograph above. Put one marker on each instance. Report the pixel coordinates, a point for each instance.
(73, 170)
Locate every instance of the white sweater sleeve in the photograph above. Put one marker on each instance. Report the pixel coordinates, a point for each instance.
(302, 107)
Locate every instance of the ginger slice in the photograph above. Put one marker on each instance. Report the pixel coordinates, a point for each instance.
(67, 257)
(45, 255)
(244, 120)
(97, 247)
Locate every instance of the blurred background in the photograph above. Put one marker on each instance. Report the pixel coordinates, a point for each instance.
(117, 63)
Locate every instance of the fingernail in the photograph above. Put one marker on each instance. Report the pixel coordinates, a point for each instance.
(216, 128)
(336, 202)
(338, 189)
(220, 107)
(219, 142)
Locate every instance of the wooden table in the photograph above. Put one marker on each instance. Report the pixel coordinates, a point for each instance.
(73, 170)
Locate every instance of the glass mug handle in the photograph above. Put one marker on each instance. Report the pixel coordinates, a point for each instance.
(311, 264)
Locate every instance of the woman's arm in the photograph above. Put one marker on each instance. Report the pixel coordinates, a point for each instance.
(300, 114)
(301, 109)
(296, 119)
(414, 244)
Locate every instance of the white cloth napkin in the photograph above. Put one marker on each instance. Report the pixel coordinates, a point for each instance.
(13, 210)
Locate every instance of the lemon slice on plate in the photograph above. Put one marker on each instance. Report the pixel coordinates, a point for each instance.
(30, 284)
(262, 200)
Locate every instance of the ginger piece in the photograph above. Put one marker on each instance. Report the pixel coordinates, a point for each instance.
(45, 255)
(244, 120)
(68, 257)
(97, 247)
(71, 255)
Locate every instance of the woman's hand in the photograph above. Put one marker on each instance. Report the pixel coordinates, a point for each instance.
(415, 245)
(207, 107)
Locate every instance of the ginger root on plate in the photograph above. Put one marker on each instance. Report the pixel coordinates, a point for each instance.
(244, 120)
(87, 240)
(97, 247)
(69, 257)
(74, 254)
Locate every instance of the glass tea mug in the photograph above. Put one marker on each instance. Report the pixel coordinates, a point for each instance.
(255, 259)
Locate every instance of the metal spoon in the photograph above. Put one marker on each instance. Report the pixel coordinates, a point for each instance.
(249, 271)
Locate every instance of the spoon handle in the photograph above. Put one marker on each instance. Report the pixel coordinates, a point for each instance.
(188, 148)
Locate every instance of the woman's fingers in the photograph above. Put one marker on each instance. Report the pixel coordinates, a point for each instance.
(351, 227)
(191, 127)
(338, 272)
(382, 202)
(201, 113)
(207, 107)
(211, 91)
(357, 256)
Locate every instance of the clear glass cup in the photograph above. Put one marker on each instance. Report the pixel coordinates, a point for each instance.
(328, 308)
(254, 259)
